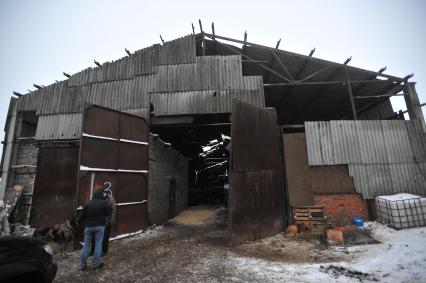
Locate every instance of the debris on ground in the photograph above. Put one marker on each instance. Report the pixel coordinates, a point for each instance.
(18, 229)
(198, 215)
(175, 252)
(338, 271)
(349, 236)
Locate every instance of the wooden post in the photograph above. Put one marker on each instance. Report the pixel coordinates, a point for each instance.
(413, 103)
(351, 98)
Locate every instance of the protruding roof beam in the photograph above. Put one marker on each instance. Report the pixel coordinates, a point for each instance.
(162, 40)
(66, 75)
(296, 77)
(251, 59)
(390, 90)
(97, 63)
(322, 88)
(203, 38)
(371, 77)
(245, 42)
(37, 86)
(278, 43)
(193, 29)
(302, 68)
(15, 93)
(214, 39)
(271, 63)
(407, 77)
(128, 52)
(282, 65)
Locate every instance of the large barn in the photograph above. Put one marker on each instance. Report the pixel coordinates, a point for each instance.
(169, 125)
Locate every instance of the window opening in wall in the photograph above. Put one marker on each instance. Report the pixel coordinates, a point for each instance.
(28, 125)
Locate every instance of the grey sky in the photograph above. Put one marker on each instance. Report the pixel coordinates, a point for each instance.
(41, 39)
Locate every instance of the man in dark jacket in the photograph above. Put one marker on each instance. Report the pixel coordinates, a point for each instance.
(110, 220)
(93, 216)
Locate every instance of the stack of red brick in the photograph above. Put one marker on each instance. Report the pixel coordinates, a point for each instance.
(341, 208)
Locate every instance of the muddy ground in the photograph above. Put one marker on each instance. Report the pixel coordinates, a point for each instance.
(193, 247)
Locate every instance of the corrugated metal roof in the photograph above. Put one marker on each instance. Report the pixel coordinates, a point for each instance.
(384, 156)
(59, 127)
(204, 101)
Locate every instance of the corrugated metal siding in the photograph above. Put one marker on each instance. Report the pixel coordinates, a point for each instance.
(209, 72)
(141, 112)
(124, 94)
(204, 101)
(178, 51)
(383, 179)
(382, 111)
(142, 62)
(59, 127)
(384, 156)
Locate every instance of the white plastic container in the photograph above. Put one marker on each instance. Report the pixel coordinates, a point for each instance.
(401, 210)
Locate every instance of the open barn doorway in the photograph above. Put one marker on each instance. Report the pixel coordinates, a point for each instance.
(205, 141)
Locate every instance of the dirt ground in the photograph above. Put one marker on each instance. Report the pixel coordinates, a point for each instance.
(193, 247)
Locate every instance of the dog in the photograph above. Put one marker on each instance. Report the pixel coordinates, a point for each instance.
(59, 235)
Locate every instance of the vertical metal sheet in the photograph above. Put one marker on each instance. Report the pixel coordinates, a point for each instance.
(119, 147)
(54, 188)
(178, 51)
(59, 127)
(256, 203)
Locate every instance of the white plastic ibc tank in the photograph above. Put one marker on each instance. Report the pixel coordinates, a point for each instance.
(401, 210)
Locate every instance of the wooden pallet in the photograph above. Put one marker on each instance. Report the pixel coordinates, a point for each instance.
(310, 219)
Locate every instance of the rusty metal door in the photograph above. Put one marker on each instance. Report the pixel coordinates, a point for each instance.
(54, 188)
(114, 149)
(256, 195)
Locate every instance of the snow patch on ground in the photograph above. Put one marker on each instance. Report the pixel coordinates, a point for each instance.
(401, 257)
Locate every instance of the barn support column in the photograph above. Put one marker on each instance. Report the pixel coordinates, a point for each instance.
(7, 154)
(413, 103)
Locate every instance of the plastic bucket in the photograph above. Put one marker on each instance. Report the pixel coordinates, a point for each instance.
(358, 221)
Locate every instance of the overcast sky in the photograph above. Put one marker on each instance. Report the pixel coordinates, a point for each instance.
(41, 39)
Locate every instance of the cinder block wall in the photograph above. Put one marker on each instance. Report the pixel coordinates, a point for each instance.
(165, 163)
(341, 208)
(26, 153)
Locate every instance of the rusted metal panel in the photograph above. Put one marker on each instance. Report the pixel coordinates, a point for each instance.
(55, 184)
(132, 187)
(127, 130)
(130, 218)
(256, 203)
(254, 130)
(114, 148)
(98, 121)
(132, 156)
(99, 154)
